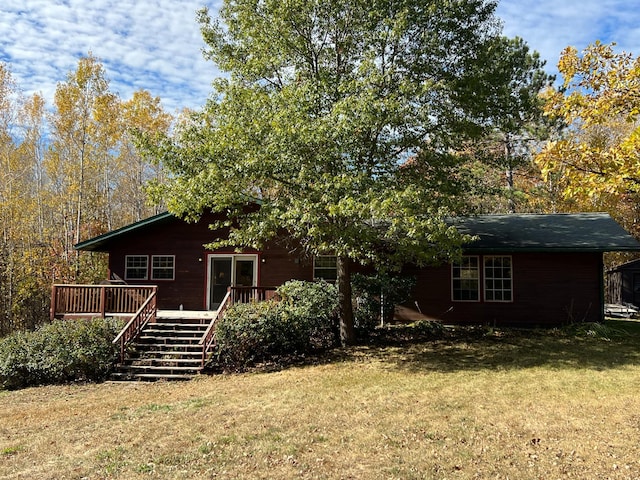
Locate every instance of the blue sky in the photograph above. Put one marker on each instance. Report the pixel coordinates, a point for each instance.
(156, 45)
(549, 26)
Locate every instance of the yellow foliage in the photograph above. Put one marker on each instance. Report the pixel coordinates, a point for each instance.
(596, 159)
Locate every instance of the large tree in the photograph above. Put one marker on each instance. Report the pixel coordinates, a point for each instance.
(511, 81)
(344, 119)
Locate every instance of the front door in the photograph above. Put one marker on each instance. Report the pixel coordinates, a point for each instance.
(229, 271)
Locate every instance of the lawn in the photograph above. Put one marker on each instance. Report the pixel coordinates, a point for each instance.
(469, 405)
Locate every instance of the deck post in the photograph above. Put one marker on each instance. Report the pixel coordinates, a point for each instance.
(103, 291)
(52, 309)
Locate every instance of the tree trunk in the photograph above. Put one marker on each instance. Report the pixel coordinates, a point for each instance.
(511, 207)
(347, 332)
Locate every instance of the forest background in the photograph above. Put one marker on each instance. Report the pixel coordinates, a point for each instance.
(71, 171)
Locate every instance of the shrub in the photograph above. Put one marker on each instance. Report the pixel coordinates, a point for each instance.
(368, 291)
(58, 352)
(312, 307)
(301, 322)
(248, 333)
(596, 330)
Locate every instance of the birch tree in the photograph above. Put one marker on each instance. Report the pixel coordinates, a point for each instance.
(23, 264)
(84, 131)
(142, 114)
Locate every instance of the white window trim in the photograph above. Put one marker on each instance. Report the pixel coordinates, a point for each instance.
(324, 268)
(126, 267)
(479, 299)
(484, 279)
(173, 268)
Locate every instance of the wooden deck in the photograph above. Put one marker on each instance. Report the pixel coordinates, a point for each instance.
(146, 328)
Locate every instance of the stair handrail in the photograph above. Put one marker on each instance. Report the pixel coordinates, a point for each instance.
(208, 338)
(146, 313)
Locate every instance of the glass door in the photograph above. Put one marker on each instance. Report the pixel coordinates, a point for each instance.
(229, 271)
(219, 280)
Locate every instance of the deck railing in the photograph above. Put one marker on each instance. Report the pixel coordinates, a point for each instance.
(145, 314)
(251, 294)
(98, 300)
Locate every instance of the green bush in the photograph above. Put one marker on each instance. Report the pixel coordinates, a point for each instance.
(58, 352)
(312, 307)
(367, 290)
(302, 321)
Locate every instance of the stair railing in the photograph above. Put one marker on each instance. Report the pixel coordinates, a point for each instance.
(145, 314)
(208, 338)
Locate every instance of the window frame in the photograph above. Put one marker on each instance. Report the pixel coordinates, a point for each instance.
(127, 268)
(153, 268)
(493, 278)
(461, 279)
(325, 268)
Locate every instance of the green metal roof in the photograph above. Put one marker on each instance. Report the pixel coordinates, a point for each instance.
(101, 242)
(568, 232)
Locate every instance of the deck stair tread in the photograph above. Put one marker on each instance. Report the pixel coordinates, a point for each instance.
(166, 362)
(179, 327)
(168, 353)
(165, 350)
(158, 368)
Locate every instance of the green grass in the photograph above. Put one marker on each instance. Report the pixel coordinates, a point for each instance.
(468, 404)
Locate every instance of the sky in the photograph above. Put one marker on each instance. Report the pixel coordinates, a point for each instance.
(156, 45)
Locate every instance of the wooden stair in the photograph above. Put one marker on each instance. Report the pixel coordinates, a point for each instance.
(165, 350)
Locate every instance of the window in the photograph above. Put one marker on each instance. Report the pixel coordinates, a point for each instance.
(162, 267)
(465, 278)
(136, 267)
(498, 285)
(325, 267)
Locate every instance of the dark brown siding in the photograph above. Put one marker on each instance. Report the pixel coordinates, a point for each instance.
(186, 241)
(548, 289)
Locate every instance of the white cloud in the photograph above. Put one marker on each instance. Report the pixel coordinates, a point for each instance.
(143, 44)
(549, 26)
(156, 44)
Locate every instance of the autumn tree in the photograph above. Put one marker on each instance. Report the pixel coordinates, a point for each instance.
(93, 170)
(22, 265)
(75, 162)
(142, 114)
(595, 162)
(10, 204)
(65, 175)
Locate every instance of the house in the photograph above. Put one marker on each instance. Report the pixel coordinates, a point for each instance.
(522, 269)
(170, 253)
